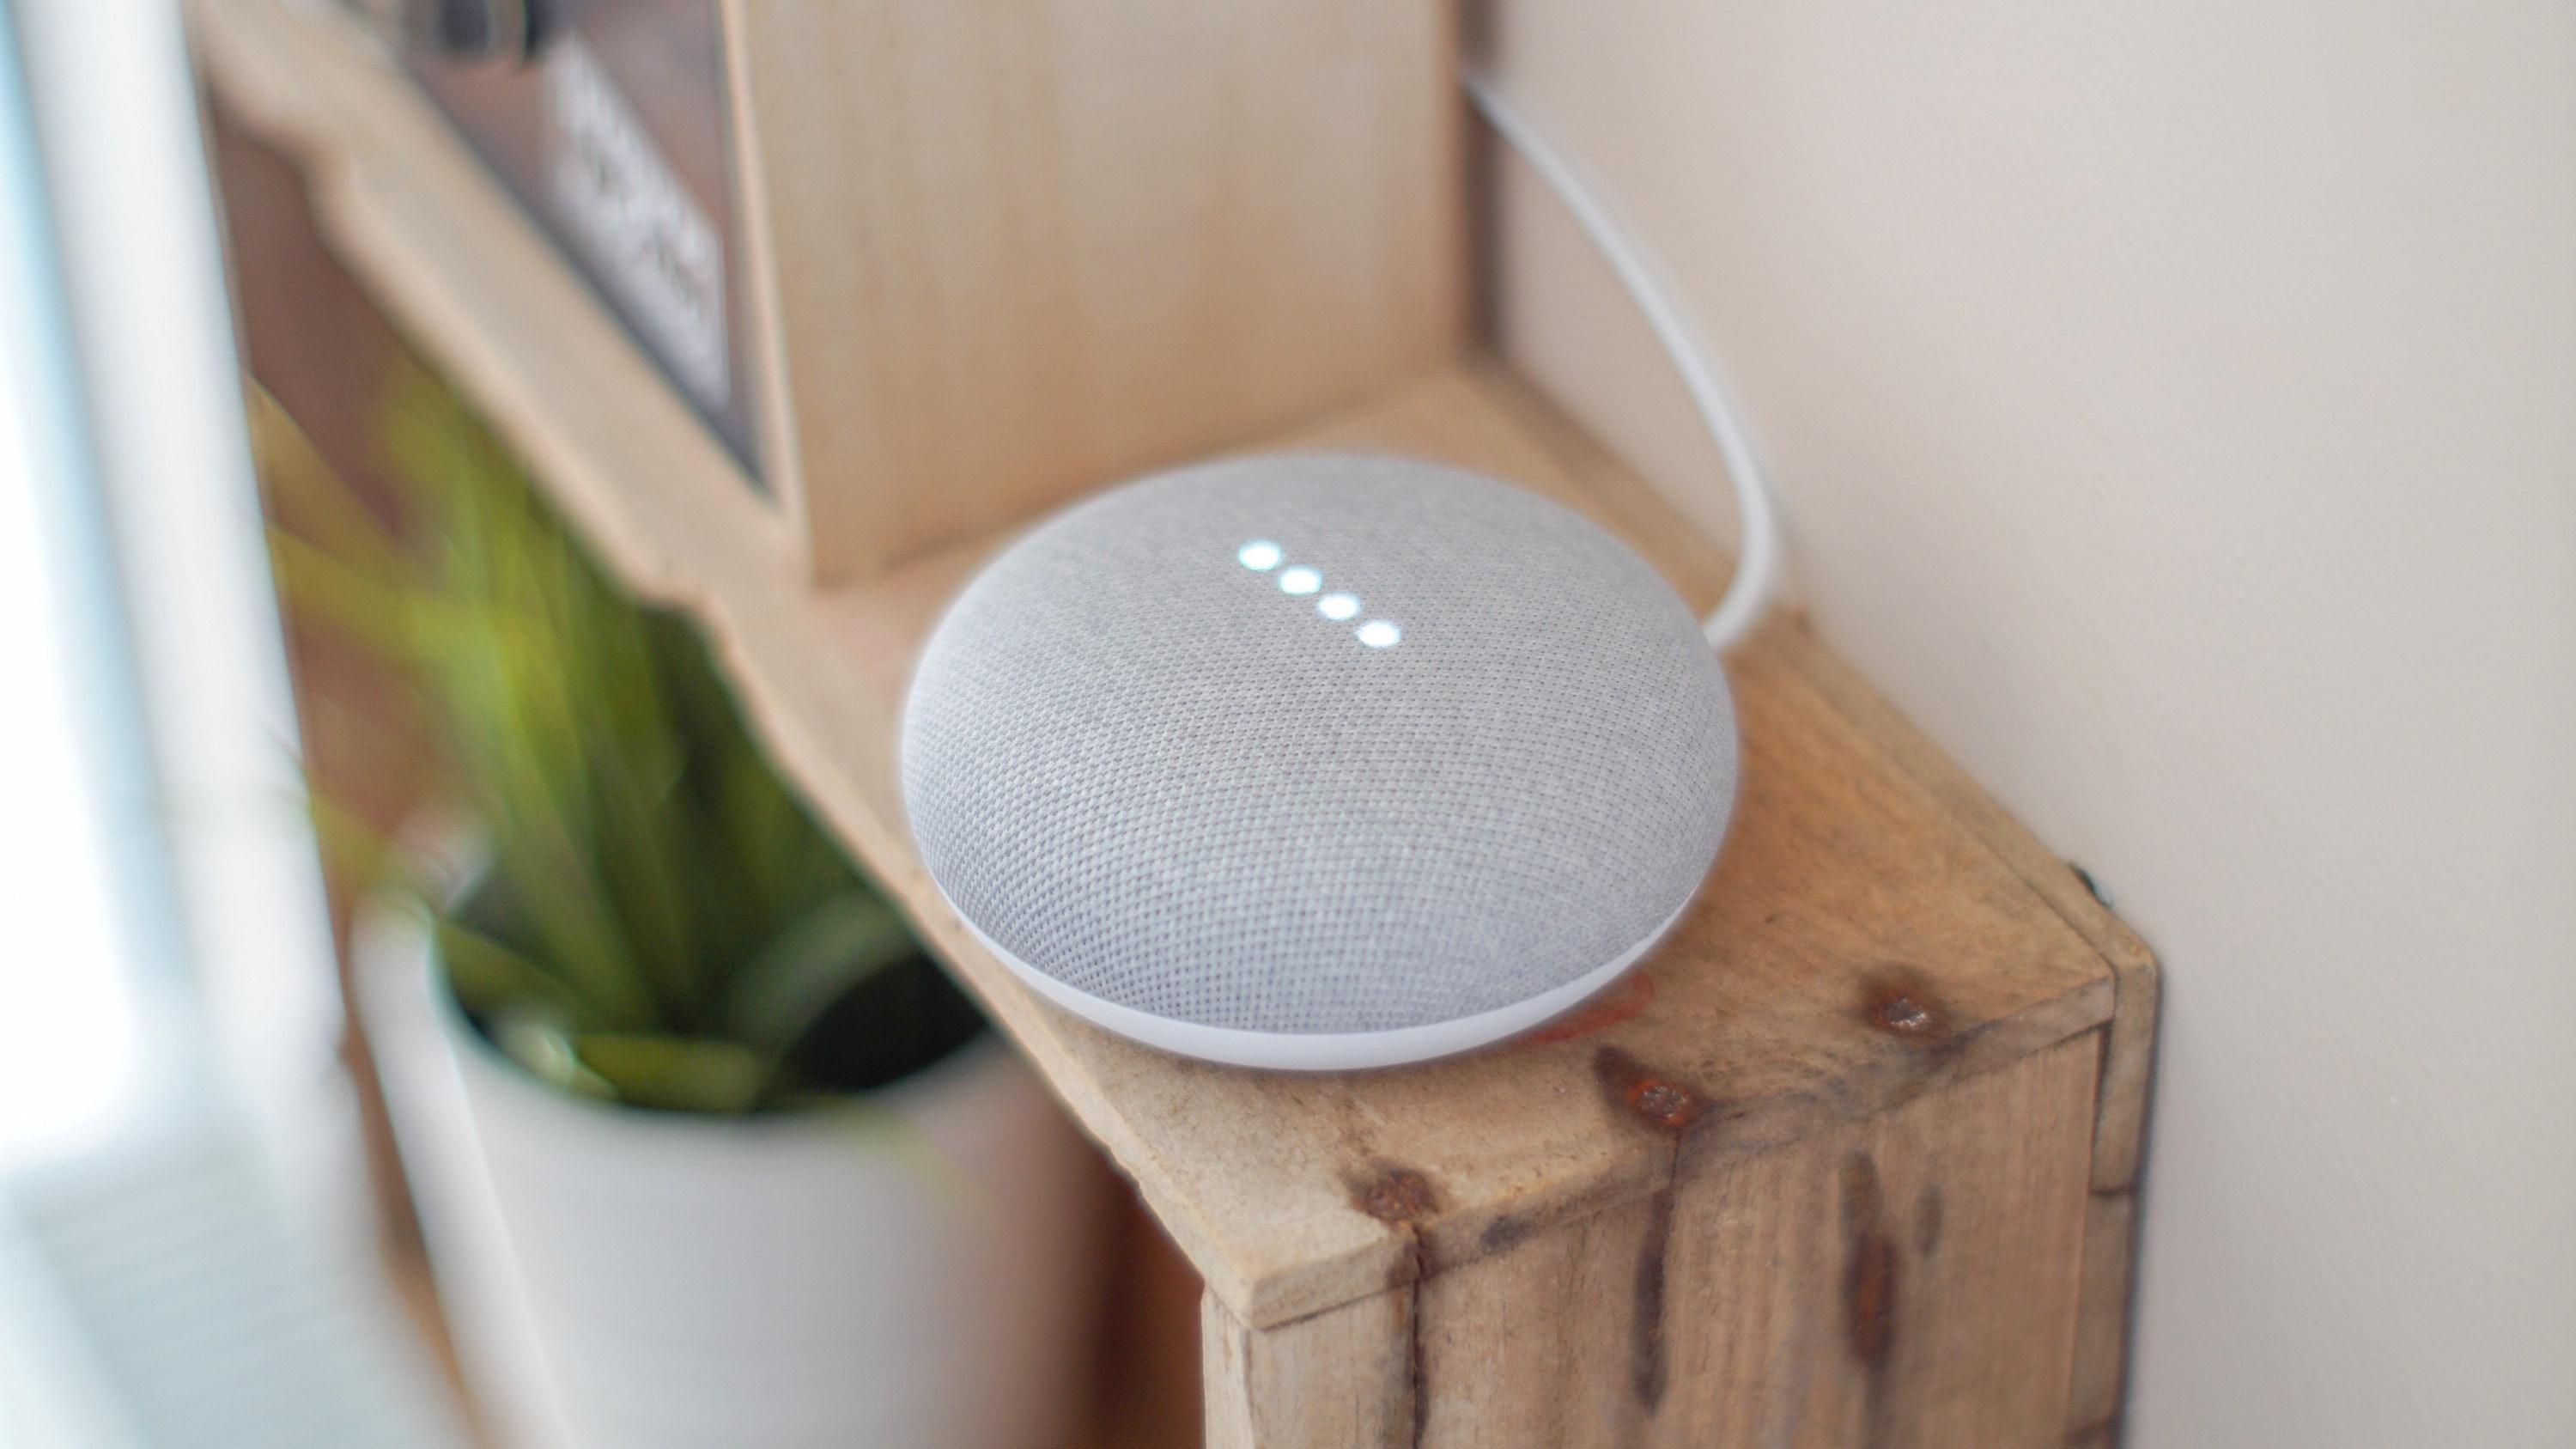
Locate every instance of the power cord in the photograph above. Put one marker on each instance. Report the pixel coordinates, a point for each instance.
(1757, 564)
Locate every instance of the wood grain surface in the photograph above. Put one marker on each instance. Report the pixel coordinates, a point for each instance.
(1001, 254)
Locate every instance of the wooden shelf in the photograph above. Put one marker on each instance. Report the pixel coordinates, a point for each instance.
(1884, 969)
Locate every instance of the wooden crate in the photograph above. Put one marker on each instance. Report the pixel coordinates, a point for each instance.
(987, 256)
(1849, 1161)
(1003, 254)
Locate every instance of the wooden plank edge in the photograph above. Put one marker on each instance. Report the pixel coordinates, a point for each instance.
(2102, 1318)
(1347, 1377)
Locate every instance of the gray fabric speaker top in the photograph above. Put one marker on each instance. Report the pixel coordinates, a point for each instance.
(1303, 744)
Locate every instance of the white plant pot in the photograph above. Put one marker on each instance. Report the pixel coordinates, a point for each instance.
(620, 1279)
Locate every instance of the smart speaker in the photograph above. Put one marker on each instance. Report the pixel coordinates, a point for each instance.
(1318, 761)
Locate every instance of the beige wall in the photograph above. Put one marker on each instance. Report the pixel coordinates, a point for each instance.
(2175, 405)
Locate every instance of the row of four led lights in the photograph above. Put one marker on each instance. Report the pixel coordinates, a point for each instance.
(1298, 581)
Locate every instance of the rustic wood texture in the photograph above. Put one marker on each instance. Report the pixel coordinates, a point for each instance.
(1876, 934)
(1910, 1281)
(1339, 1379)
(2102, 1317)
(1906, 1280)
(1002, 254)
(1146, 1384)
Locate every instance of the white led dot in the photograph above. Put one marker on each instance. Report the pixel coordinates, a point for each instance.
(1338, 606)
(1260, 555)
(1379, 634)
(1300, 580)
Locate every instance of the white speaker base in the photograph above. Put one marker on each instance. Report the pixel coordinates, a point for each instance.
(1323, 1051)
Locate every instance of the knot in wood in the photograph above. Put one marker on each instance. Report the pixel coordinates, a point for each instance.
(1395, 1195)
(1649, 1095)
(1900, 1012)
(1664, 1104)
(1902, 1003)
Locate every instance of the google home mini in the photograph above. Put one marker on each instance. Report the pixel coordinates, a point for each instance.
(1318, 761)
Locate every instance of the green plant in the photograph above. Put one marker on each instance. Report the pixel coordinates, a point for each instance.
(662, 923)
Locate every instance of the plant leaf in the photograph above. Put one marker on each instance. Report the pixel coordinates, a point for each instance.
(489, 978)
(639, 837)
(541, 1045)
(311, 496)
(676, 1074)
(326, 589)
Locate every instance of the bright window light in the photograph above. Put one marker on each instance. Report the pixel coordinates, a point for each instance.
(71, 1027)
(68, 1032)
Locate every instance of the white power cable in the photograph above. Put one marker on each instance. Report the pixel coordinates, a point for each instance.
(1757, 564)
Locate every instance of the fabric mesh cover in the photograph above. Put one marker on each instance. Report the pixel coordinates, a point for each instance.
(1149, 771)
